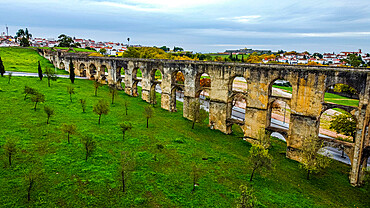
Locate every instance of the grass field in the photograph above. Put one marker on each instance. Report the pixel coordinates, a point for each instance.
(329, 97)
(67, 180)
(24, 60)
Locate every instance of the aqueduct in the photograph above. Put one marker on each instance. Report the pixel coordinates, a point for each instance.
(307, 102)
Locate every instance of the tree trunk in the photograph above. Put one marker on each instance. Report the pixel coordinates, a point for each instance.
(35, 105)
(99, 119)
(87, 153)
(70, 97)
(112, 98)
(25, 97)
(126, 111)
(308, 174)
(252, 174)
(49, 82)
(123, 181)
(193, 125)
(10, 159)
(123, 135)
(147, 122)
(96, 92)
(47, 122)
(29, 190)
(68, 138)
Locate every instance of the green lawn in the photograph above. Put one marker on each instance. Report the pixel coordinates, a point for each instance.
(24, 60)
(329, 97)
(70, 181)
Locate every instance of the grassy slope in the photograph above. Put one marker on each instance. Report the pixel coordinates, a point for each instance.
(329, 97)
(24, 60)
(71, 182)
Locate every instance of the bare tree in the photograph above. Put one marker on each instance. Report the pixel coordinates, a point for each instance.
(70, 90)
(37, 98)
(127, 164)
(51, 75)
(125, 126)
(148, 113)
(9, 76)
(83, 105)
(10, 148)
(89, 146)
(69, 129)
(49, 112)
(33, 178)
(100, 108)
(29, 90)
(125, 103)
(113, 91)
(97, 84)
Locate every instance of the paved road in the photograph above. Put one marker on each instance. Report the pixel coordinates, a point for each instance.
(26, 74)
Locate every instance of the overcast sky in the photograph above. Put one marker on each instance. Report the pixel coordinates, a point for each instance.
(200, 25)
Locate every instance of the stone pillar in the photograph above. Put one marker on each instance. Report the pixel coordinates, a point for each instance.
(301, 127)
(128, 78)
(357, 171)
(255, 119)
(145, 84)
(217, 115)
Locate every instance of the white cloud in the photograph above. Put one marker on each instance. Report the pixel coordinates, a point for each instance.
(242, 19)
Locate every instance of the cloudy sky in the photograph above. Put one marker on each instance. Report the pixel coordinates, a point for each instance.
(200, 25)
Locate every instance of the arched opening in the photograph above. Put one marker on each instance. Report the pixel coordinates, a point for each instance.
(279, 114)
(237, 130)
(278, 136)
(82, 70)
(177, 92)
(337, 124)
(281, 88)
(62, 66)
(341, 94)
(238, 107)
(205, 80)
(204, 99)
(239, 84)
(103, 72)
(92, 70)
(137, 77)
(335, 153)
(155, 89)
(120, 77)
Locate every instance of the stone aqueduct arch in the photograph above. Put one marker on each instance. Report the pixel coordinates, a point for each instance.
(307, 102)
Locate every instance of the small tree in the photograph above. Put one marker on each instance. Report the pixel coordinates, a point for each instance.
(69, 129)
(148, 113)
(29, 90)
(259, 159)
(83, 105)
(33, 179)
(100, 108)
(10, 77)
(97, 84)
(37, 98)
(71, 72)
(2, 69)
(125, 103)
(70, 90)
(49, 112)
(247, 198)
(153, 97)
(51, 75)
(125, 126)
(127, 163)
(263, 138)
(89, 146)
(313, 158)
(344, 124)
(39, 70)
(10, 148)
(113, 91)
(197, 115)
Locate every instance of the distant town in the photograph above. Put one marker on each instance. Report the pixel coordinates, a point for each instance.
(284, 57)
